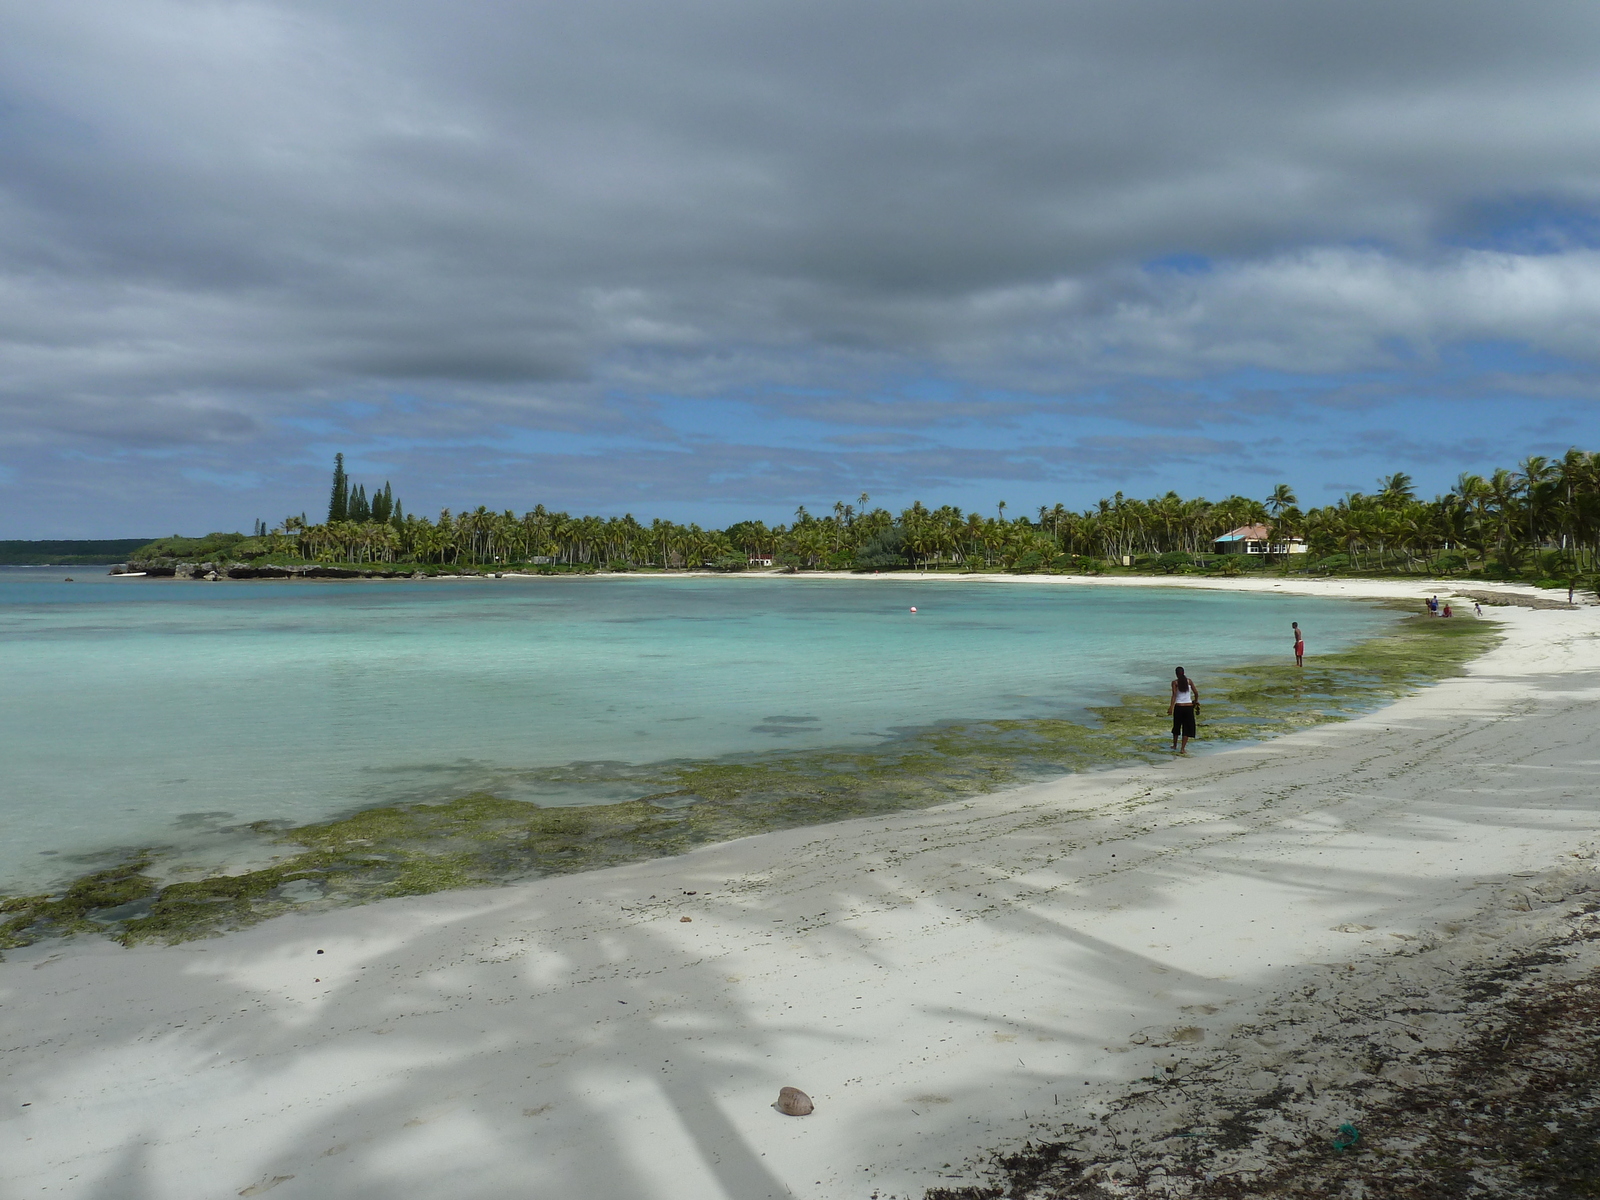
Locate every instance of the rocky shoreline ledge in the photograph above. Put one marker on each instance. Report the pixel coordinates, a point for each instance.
(1516, 596)
(212, 571)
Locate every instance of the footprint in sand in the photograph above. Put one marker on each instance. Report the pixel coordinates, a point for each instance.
(266, 1185)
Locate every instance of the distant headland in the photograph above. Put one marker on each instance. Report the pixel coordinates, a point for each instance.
(68, 553)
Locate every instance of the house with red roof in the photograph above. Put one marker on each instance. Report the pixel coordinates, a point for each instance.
(1256, 539)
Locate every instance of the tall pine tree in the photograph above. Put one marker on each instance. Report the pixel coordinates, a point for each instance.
(360, 511)
(339, 502)
(382, 504)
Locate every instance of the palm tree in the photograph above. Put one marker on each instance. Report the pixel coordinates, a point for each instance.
(1282, 497)
(1396, 490)
(1539, 488)
(1057, 515)
(1504, 496)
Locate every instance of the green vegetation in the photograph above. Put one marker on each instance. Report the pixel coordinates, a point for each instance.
(480, 839)
(212, 546)
(353, 507)
(26, 918)
(68, 553)
(1541, 521)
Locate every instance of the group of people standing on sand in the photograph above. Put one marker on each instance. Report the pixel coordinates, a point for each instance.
(1184, 705)
(1433, 606)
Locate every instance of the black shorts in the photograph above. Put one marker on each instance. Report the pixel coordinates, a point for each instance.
(1183, 720)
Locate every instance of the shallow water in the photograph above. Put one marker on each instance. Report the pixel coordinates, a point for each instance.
(138, 712)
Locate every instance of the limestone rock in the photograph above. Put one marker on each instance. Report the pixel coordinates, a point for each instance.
(792, 1102)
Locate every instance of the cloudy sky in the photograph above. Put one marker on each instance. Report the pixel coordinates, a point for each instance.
(711, 258)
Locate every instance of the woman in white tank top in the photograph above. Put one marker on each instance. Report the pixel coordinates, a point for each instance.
(1182, 708)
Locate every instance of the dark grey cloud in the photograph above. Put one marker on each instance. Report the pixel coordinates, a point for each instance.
(749, 475)
(276, 227)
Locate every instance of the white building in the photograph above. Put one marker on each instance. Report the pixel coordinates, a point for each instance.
(1252, 539)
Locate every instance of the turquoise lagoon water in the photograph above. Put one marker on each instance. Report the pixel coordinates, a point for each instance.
(139, 712)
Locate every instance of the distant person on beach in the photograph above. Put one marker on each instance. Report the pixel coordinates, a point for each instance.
(1477, 609)
(1447, 611)
(1299, 644)
(1184, 704)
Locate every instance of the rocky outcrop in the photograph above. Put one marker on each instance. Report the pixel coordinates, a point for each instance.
(1517, 599)
(212, 571)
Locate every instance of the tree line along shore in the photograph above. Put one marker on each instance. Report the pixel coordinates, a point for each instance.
(1537, 523)
(75, 552)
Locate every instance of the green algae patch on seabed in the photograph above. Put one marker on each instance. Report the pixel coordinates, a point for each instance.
(480, 840)
(24, 919)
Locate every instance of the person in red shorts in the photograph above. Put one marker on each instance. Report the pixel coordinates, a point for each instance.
(1299, 644)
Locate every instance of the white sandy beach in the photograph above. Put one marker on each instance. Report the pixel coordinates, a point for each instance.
(941, 982)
